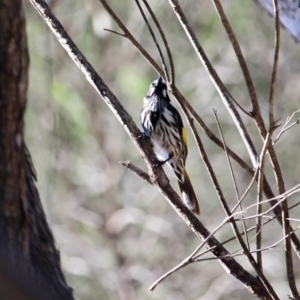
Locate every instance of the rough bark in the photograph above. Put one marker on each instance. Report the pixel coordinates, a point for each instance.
(28, 254)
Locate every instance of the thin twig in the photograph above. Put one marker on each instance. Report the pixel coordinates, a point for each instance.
(233, 177)
(295, 189)
(259, 199)
(294, 205)
(227, 100)
(275, 64)
(285, 127)
(167, 274)
(155, 41)
(130, 37)
(239, 55)
(241, 254)
(136, 170)
(233, 237)
(266, 217)
(172, 68)
(197, 259)
(271, 218)
(246, 191)
(115, 32)
(190, 258)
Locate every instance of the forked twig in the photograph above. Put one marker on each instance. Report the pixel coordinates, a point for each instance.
(270, 247)
(191, 257)
(286, 127)
(197, 258)
(194, 257)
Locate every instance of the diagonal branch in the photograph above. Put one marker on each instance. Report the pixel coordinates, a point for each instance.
(239, 55)
(286, 126)
(225, 96)
(130, 166)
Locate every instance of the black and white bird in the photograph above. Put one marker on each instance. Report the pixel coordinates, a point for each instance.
(161, 122)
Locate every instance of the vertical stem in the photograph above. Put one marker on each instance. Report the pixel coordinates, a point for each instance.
(259, 199)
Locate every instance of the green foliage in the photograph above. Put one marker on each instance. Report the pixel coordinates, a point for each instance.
(72, 112)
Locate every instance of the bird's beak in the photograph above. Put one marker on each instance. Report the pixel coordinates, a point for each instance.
(159, 81)
(158, 86)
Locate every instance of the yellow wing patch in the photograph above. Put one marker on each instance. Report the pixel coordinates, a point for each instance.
(184, 141)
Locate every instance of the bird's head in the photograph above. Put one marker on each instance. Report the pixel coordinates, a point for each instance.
(159, 88)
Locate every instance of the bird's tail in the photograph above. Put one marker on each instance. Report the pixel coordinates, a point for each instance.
(188, 194)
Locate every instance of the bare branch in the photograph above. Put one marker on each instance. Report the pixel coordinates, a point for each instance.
(115, 32)
(130, 37)
(172, 68)
(163, 277)
(233, 177)
(136, 170)
(285, 127)
(225, 96)
(239, 55)
(241, 254)
(191, 257)
(259, 199)
(275, 64)
(246, 191)
(155, 41)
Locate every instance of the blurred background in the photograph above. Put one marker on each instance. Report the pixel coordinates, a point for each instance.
(116, 234)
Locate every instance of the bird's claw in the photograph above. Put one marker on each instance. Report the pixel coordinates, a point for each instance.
(157, 163)
(142, 136)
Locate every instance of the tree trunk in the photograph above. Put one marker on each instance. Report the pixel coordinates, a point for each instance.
(29, 262)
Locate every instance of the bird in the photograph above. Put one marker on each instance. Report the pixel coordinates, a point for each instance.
(162, 124)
